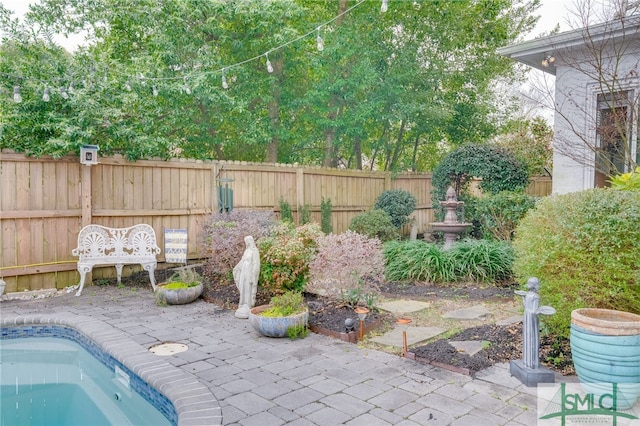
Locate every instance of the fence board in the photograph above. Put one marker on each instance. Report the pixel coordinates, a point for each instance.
(42, 206)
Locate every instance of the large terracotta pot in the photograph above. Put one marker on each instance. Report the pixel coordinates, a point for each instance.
(605, 346)
(275, 326)
(177, 296)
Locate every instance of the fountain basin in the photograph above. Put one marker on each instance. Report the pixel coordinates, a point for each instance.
(450, 231)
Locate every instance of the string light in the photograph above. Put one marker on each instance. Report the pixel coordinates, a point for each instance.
(155, 91)
(46, 95)
(269, 66)
(64, 92)
(385, 6)
(16, 94)
(224, 79)
(319, 42)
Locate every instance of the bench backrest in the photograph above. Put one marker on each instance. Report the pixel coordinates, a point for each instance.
(99, 242)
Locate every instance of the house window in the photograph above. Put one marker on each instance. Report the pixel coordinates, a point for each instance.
(615, 127)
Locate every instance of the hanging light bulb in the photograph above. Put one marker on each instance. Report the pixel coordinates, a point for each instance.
(127, 86)
(16, 94)
(46, 96)
(71, 89)
(385, 6)
(63, 93)
(224, 80)
(155, 91)
(269, 66)
(320, 42)
(142, 81)
(187, 89)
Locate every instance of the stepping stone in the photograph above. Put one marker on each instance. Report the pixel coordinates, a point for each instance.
(403, 306)
(414, 335)
(469, 347)
(472, 313)
(511, 320)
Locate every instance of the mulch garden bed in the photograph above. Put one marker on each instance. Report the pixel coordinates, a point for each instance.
(327, 316)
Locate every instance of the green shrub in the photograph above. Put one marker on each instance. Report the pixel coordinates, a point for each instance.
(285, 210)
(499, 214)
(584, 248)
(482, 260)
(285, 256)
(417, 261)
(325, 216)
(305, 214)
(467, 260)
(499, 170)
(374, 223)
(288, 303)
(398, 204)
(627, 181)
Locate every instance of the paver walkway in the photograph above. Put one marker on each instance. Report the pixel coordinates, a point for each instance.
(313, 381)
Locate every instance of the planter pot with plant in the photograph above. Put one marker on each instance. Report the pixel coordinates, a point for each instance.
(184, 286)
(285, 316)
(605, 346)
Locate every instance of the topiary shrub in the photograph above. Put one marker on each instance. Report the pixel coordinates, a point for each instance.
(499, 170)
(398, 204)
(347, 263)
(326, 208)
(584, 247)
(222, 240)
(498, 215)
(285, 256)
(374, 223)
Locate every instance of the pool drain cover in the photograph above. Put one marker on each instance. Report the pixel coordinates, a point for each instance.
(168, 348)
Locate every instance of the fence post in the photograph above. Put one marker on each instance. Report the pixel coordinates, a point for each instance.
(87, 189)
(299, 192)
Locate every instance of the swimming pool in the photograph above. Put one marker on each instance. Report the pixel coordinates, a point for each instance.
(55, 375)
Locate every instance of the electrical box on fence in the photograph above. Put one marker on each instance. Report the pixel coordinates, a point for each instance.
(89, 155)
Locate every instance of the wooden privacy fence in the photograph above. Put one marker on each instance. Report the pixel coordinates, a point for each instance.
(44, 202)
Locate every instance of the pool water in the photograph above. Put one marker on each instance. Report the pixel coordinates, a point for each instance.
(55, 381)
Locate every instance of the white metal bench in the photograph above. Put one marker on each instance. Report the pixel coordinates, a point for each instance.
(99, 245)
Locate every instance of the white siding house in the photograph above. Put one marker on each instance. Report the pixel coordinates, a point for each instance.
(597, 87)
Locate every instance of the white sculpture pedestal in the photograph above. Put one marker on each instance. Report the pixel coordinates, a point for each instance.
(243, 311)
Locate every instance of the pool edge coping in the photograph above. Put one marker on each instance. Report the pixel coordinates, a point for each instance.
(193, 401)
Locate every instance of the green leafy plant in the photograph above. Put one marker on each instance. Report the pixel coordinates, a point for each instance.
(285, 210)
(326, 223)
(499, 214)
(627, 181)
(499, 170)
(583, 247)
(299, 331)
(183, 278)
(468, 260)
(398, 204)
(287, 304)
(285, 256)
(374, 223)
(305, 214)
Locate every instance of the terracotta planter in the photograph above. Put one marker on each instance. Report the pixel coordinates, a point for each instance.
(275, 326)
(605, 346)
(177, 296)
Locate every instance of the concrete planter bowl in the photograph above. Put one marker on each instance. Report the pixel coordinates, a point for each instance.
(276, 326)
(176, 296)
(605, 346)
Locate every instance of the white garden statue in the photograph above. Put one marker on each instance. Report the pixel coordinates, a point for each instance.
(245, 275)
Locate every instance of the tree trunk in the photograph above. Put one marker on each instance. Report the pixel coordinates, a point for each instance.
(398, 148)
(357, 152)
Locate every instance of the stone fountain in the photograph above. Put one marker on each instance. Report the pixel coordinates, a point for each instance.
(451, 227)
